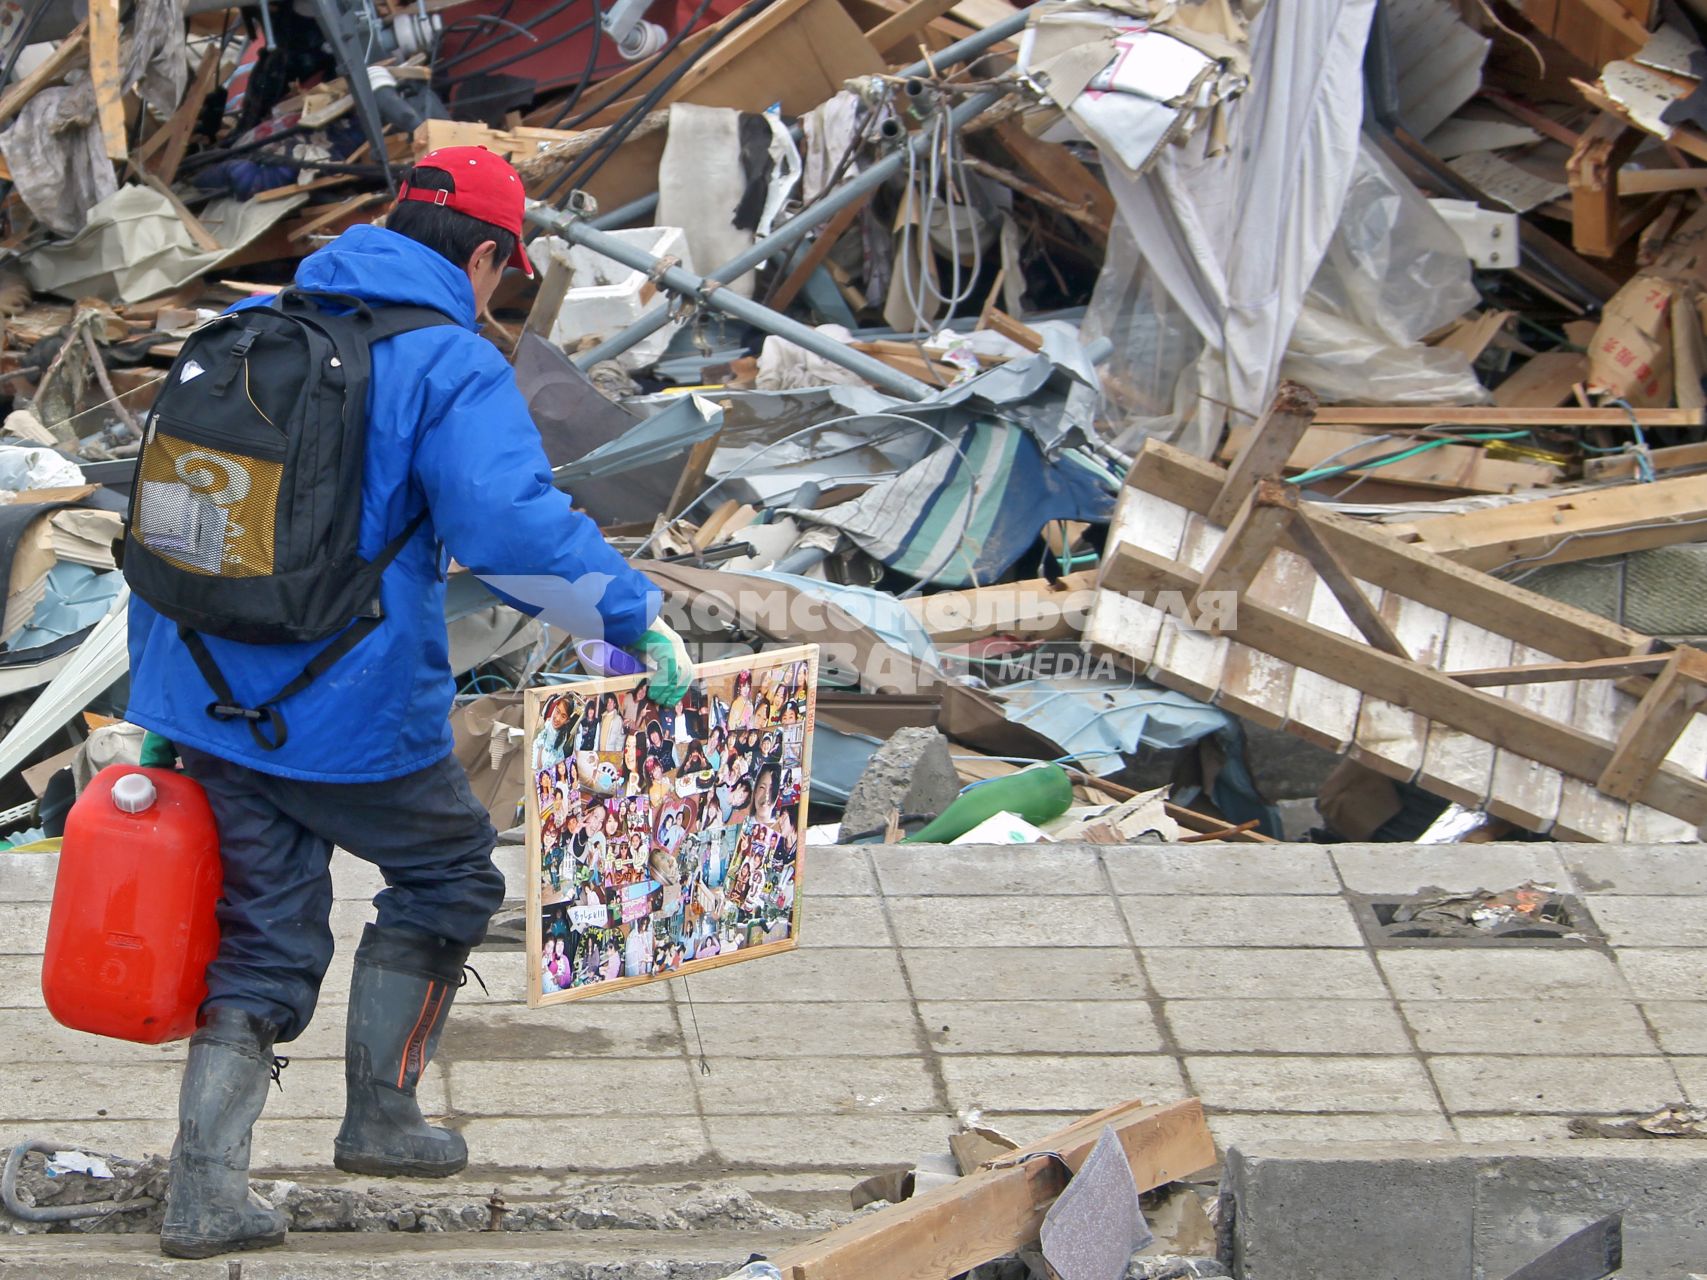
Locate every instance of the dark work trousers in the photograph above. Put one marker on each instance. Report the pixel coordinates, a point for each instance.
(425, 832)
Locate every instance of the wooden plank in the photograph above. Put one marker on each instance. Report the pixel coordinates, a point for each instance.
(204, 238)
(1677, 457)
(797, 52)
(1461, 468)
(1266, 513)
(899, 29)
(1390, 738)
(1458, 761)
(1254, 684)
(1121, 623)
(1266, 448)
(814, 254)
(1648, 736)
(1015, 332)
(1477, 416)
(1378, 555)
(1429, 692)
(167, 146)
(1544, 672)
(70, 51)
(334, 213)
(1650, 826)
(105, 74)
(1544, 381)
(1584, 812)
(1598, 225)
(1574, 526)
(1324, 708)
(1525, 791)
(1357, 606)
(1061, 173)
(1036, 609)
(999, 1209)
(1195, 657)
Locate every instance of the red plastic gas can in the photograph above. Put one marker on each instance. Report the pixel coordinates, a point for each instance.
(132, 929)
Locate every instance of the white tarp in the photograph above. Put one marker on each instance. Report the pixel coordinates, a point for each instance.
(1235, 238)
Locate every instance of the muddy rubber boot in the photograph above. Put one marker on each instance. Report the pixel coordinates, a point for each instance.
(209, 1208)
(399, 999)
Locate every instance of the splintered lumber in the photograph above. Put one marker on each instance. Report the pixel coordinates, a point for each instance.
(1061, 173)
(1357, 606)
(1458, 467)
(164, 151)
(1256, 528)
(104, 72)
(1266, 447)
(1553, 672)
(1477, 416)
(68, 53)
(1679, 692)
(1037, 609)
(1000, 1208)
(897, 30)
(1428, 692)
(1567, 527)
(1599, 222)
(1622, 466)
(198, 232)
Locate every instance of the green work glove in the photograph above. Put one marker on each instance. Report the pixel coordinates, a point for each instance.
(672, 669)
(158, 752)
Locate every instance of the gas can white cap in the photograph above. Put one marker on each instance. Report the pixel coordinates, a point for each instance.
(134, 792)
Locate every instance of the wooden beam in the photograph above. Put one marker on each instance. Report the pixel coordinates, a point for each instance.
(1423, 690)
(1253, 533)
(70, 51)
(200, 234)
(1476, 416)
(1061, 173)
(333, 212)
(814, 254)
(1271, 443)
(1457, 468)
(999, 1209)
(1362, 613)
(1378, 554)
(1555, 672)
(172, 139)
(1574, 526)
(1678, 693)
(692, 479)
(1622, 466)
(1598, 222)
(107, 77)
(1036, 609)
(1014, 331)
(898, 29)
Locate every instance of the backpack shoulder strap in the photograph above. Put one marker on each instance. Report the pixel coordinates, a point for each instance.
(388, 322)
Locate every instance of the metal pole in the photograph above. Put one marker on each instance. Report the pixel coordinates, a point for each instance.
(756, 314)
(789, 233)
(959, 51)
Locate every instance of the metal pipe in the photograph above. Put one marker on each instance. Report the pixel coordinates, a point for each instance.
(973, 45)
(678, 280)
(855, 188)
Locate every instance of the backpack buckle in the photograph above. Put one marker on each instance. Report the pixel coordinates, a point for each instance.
(245, 340)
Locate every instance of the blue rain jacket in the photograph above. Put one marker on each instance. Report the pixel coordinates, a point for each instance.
(448, 432)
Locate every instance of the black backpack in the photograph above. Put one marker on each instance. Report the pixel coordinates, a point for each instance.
(247, 504)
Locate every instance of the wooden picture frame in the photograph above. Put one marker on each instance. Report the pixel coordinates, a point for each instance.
(642, 867)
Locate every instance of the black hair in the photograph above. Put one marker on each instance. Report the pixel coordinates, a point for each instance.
(451, 234)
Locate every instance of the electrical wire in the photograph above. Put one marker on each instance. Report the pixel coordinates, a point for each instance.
(1567, 539)
(947, 170)
(21, 41)
(591, 70)
(1370, 464)
(971, 475)
(620, 91)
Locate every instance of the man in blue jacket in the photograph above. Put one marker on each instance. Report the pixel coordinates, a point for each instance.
(367, 765)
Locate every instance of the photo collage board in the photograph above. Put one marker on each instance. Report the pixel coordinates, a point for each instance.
(666, 840)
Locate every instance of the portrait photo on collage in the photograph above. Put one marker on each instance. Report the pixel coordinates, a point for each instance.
(664, 839)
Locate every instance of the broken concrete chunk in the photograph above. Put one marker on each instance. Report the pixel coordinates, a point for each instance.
(912, 773)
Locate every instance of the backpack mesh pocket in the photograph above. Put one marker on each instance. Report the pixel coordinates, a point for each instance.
(208, 510)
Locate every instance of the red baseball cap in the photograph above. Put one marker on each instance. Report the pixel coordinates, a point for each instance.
(483, 186)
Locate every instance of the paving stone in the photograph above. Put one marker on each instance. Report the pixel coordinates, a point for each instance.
(853, 1029)
(561, 1142)
(1406, 869)
(580, 1029)
(23, 928)
(20, 982)
(1286, 1026)
(133, 1139)
(1680, 1024)
(1692, 1074)
(1258, 1082)
(591, 1087)
(31, 1036)
(27, 877)
(1027, 1127)
(1185, 921)
(1042, 1082)
(1256, 973)
(944, 870)
(824, 973)
(1500, 973)
(1221, 869)
(1484, 1129)
(844, 922)
(47, 1092)
(1031, 1026)
(1610, 1027)
(1560, 1085)
(751, 1086)
(1232, 1130)
(1007, 922)
(858, 1144)
(300, 1143)
(1661, 974)
(1629, 921)
(837, 871)
(1656, 869)
(1024, 973)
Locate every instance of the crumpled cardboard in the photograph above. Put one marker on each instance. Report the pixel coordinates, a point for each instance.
(1636, 349)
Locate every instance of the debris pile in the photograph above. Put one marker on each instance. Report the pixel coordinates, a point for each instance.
(1095, 383)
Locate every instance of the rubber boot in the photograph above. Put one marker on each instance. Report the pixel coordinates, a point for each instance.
(209, 1208)
(399, 999)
